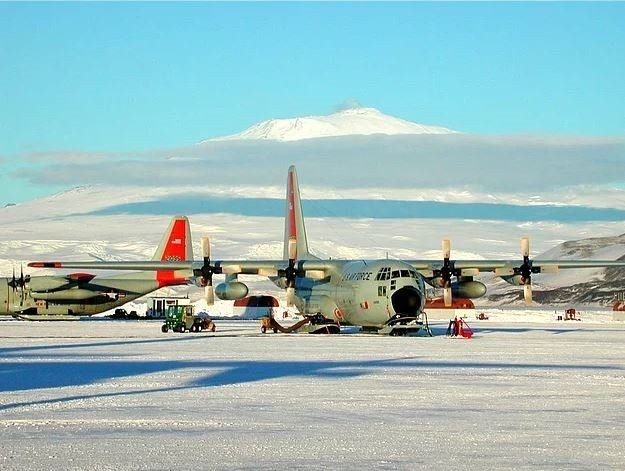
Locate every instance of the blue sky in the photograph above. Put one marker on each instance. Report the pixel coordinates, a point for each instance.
(116, 77)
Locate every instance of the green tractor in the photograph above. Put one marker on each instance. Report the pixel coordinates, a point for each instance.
(183, 319)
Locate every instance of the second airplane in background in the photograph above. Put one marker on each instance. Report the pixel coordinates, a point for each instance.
(46, 297)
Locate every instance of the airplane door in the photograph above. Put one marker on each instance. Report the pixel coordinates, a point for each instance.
(384, 294)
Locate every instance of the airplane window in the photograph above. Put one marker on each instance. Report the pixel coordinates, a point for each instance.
(383, 274)
(395, 274)
(405, 274)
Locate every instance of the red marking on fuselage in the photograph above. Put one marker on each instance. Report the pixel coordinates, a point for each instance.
(175, 249)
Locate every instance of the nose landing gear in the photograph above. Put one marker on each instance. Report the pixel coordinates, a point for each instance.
(406, 325)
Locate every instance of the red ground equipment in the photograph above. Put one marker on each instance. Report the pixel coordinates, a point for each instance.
(458, 328)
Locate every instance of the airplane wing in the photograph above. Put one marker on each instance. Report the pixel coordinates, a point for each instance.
(516, 272)
(267, 267)
(247, 267)
(500, 267)
(125, 265)
(201, 272)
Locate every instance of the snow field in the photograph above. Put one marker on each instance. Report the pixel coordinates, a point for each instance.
(121, 395)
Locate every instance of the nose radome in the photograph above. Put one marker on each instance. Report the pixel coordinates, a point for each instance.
(407, 300)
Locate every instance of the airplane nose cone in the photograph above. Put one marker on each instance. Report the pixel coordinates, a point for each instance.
(407, 300)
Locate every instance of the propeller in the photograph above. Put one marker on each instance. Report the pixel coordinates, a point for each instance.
(207, 272)
(290, 273)
(19, 282)
(525, 270)
(13, 282)
(447, 270)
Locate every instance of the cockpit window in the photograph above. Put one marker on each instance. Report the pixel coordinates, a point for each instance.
(395, 274)
(383, 274)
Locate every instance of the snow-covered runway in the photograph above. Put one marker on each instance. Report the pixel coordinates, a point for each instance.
(122, 395)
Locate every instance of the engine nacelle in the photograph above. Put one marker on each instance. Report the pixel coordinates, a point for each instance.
(516, 280)
(231, 291)
(47, 283)
(468, 289)
(66, 295)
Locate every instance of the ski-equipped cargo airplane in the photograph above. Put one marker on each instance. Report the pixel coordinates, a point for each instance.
(376, 294)
(84, 294)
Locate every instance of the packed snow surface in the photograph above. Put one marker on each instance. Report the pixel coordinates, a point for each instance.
(121, 395)
(354, 121)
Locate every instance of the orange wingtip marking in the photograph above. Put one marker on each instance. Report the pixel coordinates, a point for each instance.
(45, 264)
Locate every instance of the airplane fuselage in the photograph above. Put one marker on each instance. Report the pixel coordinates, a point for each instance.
(364, 292)
(80, 299)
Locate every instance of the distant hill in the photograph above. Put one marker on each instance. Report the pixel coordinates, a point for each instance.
(573, 287)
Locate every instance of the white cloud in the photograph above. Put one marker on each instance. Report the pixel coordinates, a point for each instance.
(526, 165)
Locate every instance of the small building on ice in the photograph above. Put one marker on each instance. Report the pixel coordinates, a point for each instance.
(157, 305)
(255, 307)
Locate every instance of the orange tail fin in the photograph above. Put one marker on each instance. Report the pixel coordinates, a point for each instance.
(176, 245)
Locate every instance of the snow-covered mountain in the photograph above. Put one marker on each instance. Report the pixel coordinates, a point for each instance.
(354, 121)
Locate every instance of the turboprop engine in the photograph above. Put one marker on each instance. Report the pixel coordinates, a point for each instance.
(231, 291)
(67, 295)
(47, 283)
(468, 289)
(461, 289)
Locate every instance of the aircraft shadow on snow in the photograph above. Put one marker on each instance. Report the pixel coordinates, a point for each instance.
(48, 374)
(362, 208)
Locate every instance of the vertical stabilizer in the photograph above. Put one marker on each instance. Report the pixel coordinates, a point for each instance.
(176, 243)
(294, 222)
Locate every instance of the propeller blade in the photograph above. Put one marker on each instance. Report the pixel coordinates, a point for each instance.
(290, 296)
(209, 294)
(525, 247)
(14, 282)
(527, 293)
(292, 249)
(206, 247)
(447, 296)
(446, 248)
(447, 272)
(22, 285)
